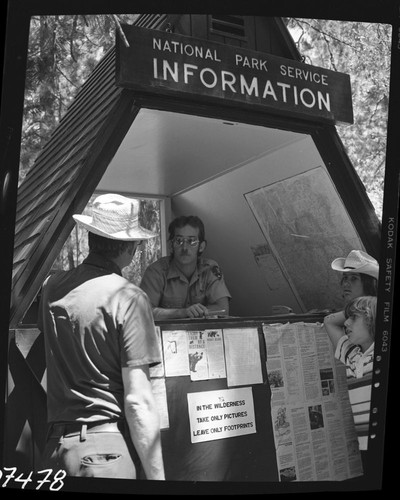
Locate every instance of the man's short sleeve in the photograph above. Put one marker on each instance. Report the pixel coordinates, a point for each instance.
(153, 284)
(139, 343)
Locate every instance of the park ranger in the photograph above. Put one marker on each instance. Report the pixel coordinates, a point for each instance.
(185, 284)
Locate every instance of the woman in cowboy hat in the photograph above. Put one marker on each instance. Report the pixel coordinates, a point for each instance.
(360, 274)
(100, 340)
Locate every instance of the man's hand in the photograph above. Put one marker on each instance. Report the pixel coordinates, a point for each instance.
(197, 311)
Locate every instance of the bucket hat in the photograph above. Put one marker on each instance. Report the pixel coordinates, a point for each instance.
(357, 262)
(115, 217)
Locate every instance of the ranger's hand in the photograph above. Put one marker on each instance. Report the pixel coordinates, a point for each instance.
(196, 311)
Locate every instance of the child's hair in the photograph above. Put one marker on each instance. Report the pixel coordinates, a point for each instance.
(363, 306)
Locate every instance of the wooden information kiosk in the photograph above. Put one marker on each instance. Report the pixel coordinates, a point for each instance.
(238, 130)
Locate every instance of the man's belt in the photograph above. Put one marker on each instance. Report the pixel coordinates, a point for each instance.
(58, 429)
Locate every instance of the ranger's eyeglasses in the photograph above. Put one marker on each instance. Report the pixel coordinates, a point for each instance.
(179, 241)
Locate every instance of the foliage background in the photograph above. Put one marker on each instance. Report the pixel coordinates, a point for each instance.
(63, 50)
(363, 51)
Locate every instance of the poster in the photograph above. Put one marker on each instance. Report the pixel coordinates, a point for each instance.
(176, 354)
(197, 351)
(221, 414)
(242, 356)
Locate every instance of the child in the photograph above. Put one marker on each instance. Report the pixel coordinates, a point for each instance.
(352, 333)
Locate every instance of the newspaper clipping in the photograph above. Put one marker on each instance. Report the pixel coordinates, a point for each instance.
(314, 431)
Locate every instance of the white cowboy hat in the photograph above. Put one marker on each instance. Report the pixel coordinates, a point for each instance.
(357, 262)
(115, 217)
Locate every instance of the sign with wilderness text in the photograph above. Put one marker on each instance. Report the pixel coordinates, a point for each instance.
(221, 414)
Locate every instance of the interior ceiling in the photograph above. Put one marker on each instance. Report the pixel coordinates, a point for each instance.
(165, 153)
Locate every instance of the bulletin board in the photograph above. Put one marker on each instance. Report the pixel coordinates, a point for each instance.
(253, 401)
(218, 431)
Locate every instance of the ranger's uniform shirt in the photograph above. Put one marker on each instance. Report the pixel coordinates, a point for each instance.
(168, 288)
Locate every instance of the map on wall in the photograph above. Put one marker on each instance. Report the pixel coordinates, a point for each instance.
(306, 227)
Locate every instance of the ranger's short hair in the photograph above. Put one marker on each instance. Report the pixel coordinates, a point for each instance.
(187, 220)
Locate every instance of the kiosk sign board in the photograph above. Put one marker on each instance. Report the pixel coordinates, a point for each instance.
(162, 62)
(221, 414)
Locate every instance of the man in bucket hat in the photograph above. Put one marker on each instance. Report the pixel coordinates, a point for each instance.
(360, 274)
(100, 341)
